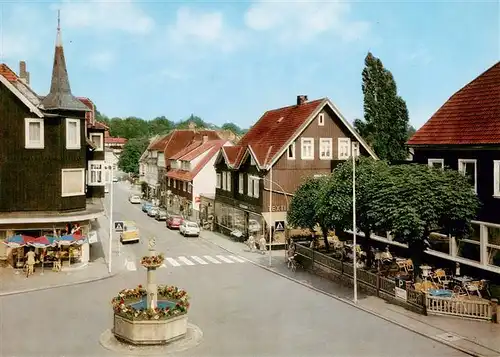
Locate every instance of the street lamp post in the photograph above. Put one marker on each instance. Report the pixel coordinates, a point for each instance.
(355, 250)
(110, 217)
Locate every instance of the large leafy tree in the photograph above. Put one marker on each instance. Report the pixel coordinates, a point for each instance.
(421, 199)
(305, 209)
(386, 119)
(132, 151)
(371, 177)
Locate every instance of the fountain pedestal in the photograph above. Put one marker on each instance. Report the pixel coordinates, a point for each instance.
(142, 331)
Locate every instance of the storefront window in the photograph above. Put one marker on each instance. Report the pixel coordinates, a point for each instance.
(469, 250)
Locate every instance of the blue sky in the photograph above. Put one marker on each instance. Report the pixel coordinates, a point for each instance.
(232, 61)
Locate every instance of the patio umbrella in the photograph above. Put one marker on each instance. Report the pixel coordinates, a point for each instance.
(43, 242)
(18, 241)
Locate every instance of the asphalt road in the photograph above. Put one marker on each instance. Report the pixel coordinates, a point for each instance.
(242, 309)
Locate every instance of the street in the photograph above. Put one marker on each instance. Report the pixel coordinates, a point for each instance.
(243, 310)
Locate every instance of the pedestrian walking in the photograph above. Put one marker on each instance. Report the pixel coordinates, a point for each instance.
(251, 243)
(30, 262)
(262, 245)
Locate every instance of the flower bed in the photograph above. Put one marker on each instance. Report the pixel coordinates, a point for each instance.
(122, 304)
(153, 262)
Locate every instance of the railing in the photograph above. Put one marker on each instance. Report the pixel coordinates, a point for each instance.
(373, 283)
(475, 309)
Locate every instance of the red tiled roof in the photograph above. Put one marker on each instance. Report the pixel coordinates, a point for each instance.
(184, 175)
(470, 116)
(232, 153)
(274, 129)
(187, 149)
(111, 140)
(9, 74)
(204, 147)
(100, 125)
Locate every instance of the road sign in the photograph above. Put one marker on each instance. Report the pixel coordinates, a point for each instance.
(400, 290)
(279, 226)
(119, 226)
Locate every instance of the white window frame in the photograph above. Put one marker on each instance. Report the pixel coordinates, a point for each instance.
(76, 145)
(321, 119)
(90, 182)
(343, 143)
(224, 180)
(291, 148)
(431, 162)
(168, 182)
(101, 138)
(184, 186)
(81, 192)
(329, 143)
(253, 186)
(302, 151)
(29, 144)
(175, 183)
(461, 169)
(228, 180)
(189, 189)
(241, 183)
(496, 178)
(218, 180)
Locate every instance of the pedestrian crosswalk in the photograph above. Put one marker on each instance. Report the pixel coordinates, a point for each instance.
(193, 260)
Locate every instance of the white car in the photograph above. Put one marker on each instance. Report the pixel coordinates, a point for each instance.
(189, 229)
(135, 199)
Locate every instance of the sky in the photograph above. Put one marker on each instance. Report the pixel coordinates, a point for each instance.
(230, 61)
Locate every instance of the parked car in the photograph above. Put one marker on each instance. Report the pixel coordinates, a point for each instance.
(153, 211)
(130, 233)
(115, 179)
(174, 222)
(135, 199)
(161, 215)
(188, 228)
(106, 189)
(146, 206)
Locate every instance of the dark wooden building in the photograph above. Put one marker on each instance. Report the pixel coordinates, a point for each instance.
(47, 148)
(256, 178)
(464, 135)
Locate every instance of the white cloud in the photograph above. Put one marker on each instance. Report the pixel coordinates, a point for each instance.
(302, 21)
(102, 60)
(194, 27)
(121, 15)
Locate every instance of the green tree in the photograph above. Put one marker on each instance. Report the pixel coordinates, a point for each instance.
(386, 120)
(232, 127)
(160, 125)
(419, 200)
(371, 176)
(132, 151)
(192, 119)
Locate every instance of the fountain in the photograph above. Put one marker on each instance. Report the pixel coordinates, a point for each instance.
(156, 315)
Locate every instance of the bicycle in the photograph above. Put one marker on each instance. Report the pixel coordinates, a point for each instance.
(293, 264)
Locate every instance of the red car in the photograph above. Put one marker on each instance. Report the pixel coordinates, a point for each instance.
(174, 222)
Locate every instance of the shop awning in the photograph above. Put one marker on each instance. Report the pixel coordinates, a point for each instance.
(18, 240)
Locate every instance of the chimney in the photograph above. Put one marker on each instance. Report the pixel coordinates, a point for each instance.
(23, 74)
(301, 99)
(205, 138)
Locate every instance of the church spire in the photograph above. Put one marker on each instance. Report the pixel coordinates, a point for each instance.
(60, 96)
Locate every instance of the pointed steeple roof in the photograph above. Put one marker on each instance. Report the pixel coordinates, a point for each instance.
(60, 96)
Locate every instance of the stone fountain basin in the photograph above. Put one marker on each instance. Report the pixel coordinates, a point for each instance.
(150, 332)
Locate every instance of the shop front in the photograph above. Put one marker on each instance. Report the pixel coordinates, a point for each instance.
(59, 245)
(238, 220)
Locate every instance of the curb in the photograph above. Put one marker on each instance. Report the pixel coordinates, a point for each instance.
(348, 302)
(80, 282)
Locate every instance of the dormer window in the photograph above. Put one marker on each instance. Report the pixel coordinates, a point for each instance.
(321, 119)
(73, 134)
(34, 134)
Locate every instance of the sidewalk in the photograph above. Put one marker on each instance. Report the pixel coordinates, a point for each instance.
(97, 269)
(472, 337)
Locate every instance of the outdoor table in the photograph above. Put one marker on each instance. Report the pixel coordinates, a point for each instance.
(440, 292)
(461, 280)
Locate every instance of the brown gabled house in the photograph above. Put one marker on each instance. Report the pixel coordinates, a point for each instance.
(464, 134)
(256, 178)
(51, 157)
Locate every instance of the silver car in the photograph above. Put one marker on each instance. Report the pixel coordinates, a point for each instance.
(161, 215)
(153, 211)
